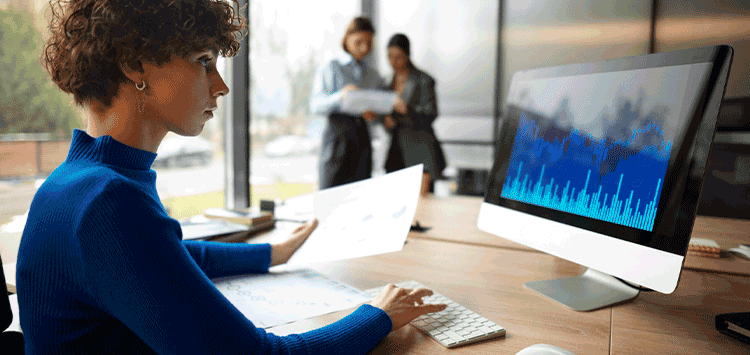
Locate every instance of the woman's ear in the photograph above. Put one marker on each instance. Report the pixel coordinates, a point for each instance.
(133, 71)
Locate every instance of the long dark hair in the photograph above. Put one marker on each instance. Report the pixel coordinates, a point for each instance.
(400, 41)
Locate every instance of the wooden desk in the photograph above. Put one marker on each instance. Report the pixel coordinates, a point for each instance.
(455, 219)
(728, 233)
(490, 282)
(683, 322)
(486, 274)
(486, 280)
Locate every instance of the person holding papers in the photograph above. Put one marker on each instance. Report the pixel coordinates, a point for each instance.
(413, 139)
(102, 268)
(346, 152)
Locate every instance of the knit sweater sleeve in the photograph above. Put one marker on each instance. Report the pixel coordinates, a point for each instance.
(229, 259)
(140, 273)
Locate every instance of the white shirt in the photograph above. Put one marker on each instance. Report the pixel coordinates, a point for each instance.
(334, 76)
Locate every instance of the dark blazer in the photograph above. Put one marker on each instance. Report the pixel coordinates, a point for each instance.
(413, 139)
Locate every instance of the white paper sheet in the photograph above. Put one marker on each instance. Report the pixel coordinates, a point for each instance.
(298, 208)
(286, 295)
(364, 218)
(358, 101)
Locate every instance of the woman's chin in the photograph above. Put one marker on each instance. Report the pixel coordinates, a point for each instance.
(191, 131)
(198, 130)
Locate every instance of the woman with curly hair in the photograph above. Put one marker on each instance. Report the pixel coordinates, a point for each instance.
(101, 267)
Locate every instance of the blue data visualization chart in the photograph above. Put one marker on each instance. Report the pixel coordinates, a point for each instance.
(573, 172)
(597, 145)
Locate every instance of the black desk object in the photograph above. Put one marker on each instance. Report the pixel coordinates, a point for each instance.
(736, 325)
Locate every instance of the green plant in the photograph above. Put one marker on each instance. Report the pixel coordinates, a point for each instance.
(29, 102)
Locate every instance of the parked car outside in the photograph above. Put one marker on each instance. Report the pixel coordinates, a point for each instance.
(179, 151)
(291, 146)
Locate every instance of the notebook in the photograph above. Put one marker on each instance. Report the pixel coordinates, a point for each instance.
(736, 325)
(198, 228)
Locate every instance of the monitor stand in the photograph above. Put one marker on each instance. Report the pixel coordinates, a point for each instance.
(586, 292)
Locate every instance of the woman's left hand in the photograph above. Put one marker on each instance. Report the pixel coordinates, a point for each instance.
(389, 122)
(400, 106)
(369, 115)
(282, 252)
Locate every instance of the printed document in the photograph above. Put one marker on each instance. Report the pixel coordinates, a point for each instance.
(287, 295)
(357, 102)
(363, 218)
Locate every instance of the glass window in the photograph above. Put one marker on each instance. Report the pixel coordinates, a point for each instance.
(455, 42)
(572, 31)
(36, 118)
(190, 170)
(683, 24)
(691, 24)
(289, 40)
(36, 124)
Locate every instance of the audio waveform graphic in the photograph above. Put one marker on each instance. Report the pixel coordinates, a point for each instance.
(568, 170)
(583, 203)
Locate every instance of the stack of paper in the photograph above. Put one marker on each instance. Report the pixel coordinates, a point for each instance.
(248, 218)
(201, 228)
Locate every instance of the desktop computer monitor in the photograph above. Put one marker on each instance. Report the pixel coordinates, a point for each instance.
(602, 164)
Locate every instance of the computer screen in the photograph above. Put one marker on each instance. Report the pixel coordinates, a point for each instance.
(602, 163)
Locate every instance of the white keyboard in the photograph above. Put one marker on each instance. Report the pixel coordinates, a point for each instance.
(454, 326)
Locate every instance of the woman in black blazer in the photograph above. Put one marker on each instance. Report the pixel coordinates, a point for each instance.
(413, 139)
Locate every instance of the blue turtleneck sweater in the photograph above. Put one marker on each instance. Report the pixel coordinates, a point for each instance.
(103, 269)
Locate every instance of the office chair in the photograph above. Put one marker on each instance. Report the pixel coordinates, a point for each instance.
(11, 342)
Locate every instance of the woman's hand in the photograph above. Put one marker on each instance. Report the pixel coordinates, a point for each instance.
(369, 115)
(403, 304)
(389, 122)
(350, 87)
(282, 252)
(400, 106)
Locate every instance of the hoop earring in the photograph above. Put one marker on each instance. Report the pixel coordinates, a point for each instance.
(138, 96)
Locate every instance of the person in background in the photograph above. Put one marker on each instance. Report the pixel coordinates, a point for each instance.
(102, 268)
(413, 139)
(346, 151)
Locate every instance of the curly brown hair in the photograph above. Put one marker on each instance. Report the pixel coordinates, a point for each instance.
(90, 39)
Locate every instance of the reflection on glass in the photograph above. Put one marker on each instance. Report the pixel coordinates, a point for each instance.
(570, 31)
(681, 25)
(289, 40)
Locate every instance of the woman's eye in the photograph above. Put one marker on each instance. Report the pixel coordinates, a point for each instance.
(205, 62)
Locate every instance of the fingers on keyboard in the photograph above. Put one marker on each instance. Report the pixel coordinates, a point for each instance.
(455, 325)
